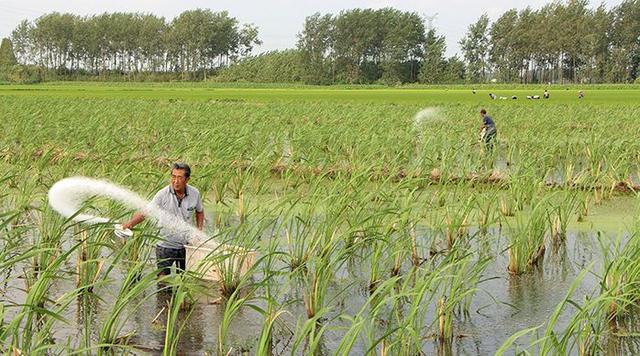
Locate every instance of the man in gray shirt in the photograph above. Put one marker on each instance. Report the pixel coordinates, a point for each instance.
(181, 201)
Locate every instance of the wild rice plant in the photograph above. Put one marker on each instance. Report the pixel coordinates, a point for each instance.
(560, 213)
(621, 276)
(459, 284)
(456, 221)
(32, 326)
(485, 213)
(315, 288)
(523, 190)
(583, 207)
(376, 275)
(527, 240)
(89, 264)
(181, 289)
(233, 258)
(300, 243)
(132, 294)
(242, 296)
(415, 256)
(506, 206)
(219, 186)
(274, 310)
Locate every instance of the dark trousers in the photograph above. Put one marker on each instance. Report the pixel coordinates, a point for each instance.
(490, 139)
(165, 257)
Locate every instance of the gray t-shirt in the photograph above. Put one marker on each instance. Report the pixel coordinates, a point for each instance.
(167, 200)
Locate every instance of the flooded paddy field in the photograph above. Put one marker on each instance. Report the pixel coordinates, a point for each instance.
(380, 224)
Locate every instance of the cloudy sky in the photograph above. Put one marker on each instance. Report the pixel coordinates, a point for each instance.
(278, 21)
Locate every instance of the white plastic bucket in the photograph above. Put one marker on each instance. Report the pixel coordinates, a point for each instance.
(206, 260)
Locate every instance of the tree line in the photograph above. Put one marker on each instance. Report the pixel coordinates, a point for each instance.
(366, 45)
(558, 43)
(358, 46)
(194, 41)
(562, 42)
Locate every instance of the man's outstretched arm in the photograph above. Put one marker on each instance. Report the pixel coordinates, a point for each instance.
(200, 220)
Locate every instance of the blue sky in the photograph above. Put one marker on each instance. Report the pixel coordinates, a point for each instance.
(278, 21)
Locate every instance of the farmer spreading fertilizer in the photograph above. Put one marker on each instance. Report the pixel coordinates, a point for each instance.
(182, 201)
(173, 209)
(488, 130)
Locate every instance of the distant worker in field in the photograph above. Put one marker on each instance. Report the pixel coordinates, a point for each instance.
(545, 94)
(488, 130)
(182, 201)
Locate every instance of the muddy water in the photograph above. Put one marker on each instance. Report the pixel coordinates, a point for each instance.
(503, 305)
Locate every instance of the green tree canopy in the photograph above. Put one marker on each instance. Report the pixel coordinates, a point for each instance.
(7, 57)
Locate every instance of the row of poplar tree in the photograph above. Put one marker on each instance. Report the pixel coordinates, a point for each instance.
(195, 40)
(556, 43)
(560, 42)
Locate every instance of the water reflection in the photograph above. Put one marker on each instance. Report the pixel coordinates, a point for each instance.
(504, 305)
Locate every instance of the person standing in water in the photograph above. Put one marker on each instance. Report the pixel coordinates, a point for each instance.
(182, 201)
(488, 130)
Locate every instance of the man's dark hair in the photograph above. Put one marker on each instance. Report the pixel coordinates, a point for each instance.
(182, 166)
(483, 111)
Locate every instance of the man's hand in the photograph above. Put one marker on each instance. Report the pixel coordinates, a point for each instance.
(135, 220)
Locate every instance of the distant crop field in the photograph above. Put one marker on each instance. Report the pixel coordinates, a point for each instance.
(603, 94)
(381, 222)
